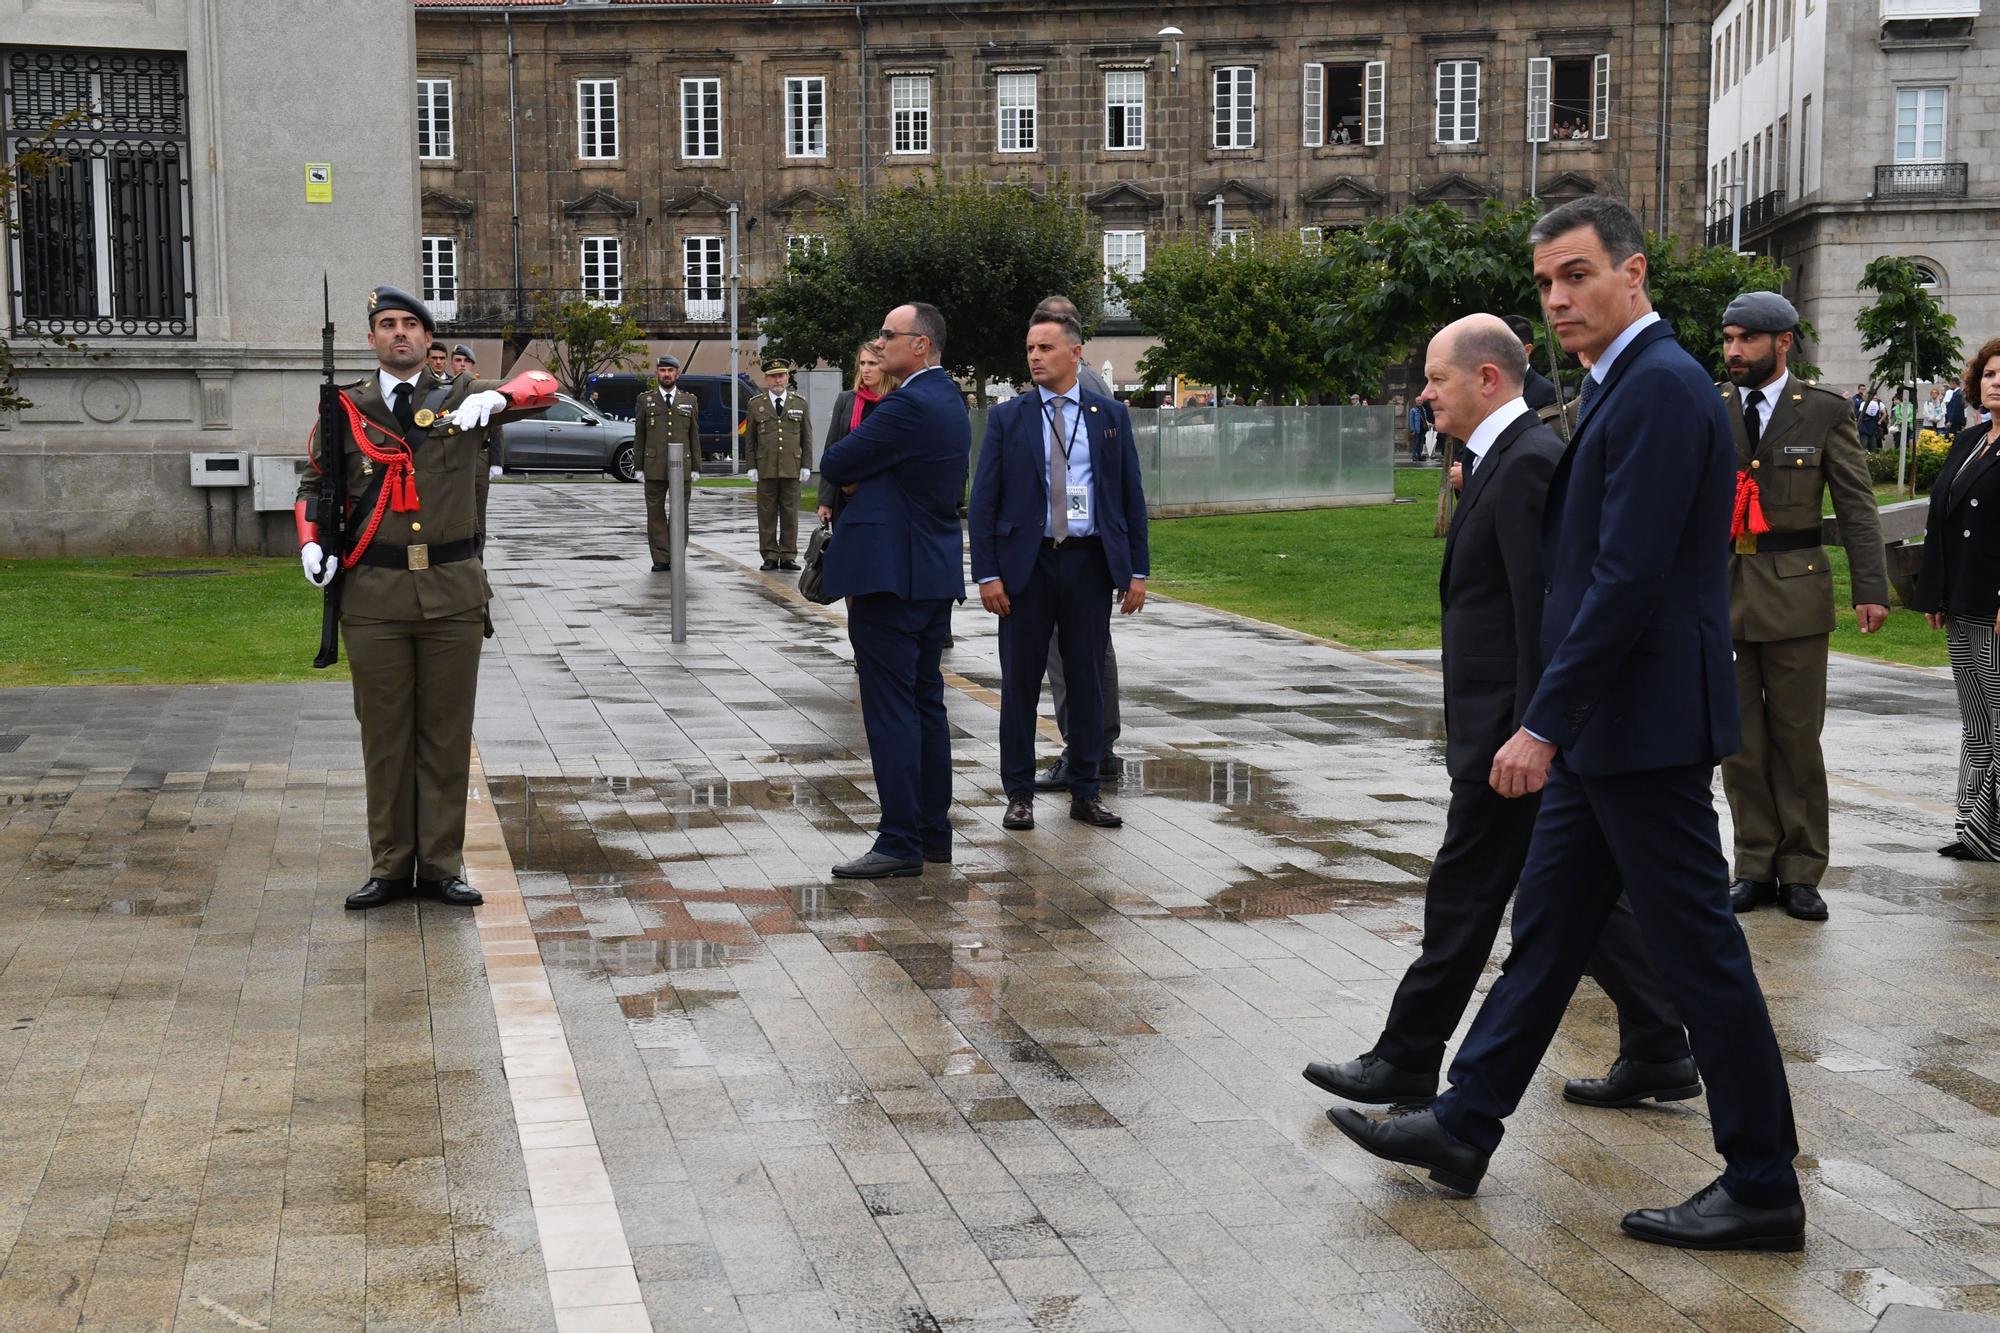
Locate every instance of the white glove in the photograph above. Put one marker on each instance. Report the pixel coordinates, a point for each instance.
(805, 474)
(319, 566)
(476, 410)
(753, 476)
(493, 472)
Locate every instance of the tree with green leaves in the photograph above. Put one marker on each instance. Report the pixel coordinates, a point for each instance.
(1229, 316)
(1692, 289)
(585, 337)
(1909, 332)
(984, 253)
(34, 162)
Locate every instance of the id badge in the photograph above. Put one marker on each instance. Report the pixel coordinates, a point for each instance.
(1079, 506)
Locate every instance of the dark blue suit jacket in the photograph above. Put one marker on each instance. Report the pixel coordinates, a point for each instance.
(1010, 495)
(1635, 632)
(899, 533)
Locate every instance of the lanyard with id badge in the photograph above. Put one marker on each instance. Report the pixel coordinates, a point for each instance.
(1076, 505)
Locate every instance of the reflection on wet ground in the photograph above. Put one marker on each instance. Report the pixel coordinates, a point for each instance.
(1054, 1084)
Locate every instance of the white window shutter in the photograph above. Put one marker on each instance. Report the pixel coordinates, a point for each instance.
(1600, 97)
(1314, 84)
(1371, 103)
(1540, 70)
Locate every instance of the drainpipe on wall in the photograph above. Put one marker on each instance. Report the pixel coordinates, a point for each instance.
(861, 27)
(518, 341)
(1666, 99)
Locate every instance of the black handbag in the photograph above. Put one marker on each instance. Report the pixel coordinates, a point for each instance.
(812, 576)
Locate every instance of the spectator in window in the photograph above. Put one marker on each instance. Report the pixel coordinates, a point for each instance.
(872, 383)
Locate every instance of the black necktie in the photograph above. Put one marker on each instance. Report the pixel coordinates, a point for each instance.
(1585, 394)
(406, 416)
(1471, 463)
(1753, 420)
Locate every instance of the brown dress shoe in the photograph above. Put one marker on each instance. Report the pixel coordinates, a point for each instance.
(1020, 813)
(1090, 810)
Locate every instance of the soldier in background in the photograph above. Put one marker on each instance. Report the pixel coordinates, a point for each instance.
(665, 419)
(1794, 443)
(434, 361)
(463, 360)
(780, 439)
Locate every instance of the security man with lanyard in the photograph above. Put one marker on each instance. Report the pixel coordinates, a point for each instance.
(1794, 443)
(414, 591)
(665, 419)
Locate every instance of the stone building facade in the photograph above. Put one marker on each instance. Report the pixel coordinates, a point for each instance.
(179, 245)
(1841, 132)
(627, 130)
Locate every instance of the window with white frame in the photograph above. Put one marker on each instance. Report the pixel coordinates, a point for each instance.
(1569, 98)
(910, 114)
(1312, 239)
(1124, 109)
(434, 119)
(701, 268)
(596, 119)
(1231, 237)
(804, 243)
(805, 116)
(1017, 113)
(440, 275)
(701, 119)
(603, 270)
(1920, 124)
(1235, 107)
(1124, 257)
(1458, 101)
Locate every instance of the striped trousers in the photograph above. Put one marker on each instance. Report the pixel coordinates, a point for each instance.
(1976, 674)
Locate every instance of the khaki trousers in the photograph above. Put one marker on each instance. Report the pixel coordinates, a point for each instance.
(778, 518)
(1776, 783)
(659, 523)
(414, 682)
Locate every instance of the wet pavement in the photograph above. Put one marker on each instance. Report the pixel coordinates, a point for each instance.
(1053, 1086)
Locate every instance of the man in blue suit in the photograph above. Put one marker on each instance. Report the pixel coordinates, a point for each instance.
(900, 558)
(1057, 522)
(1636, 706)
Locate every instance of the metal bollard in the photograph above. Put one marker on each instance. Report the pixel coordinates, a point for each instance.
(677, 512)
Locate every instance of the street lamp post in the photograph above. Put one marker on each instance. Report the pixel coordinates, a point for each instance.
(735, 354)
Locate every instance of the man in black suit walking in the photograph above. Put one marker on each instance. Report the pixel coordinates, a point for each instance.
(1491, 588)
(1537, 389)
(1636, 705)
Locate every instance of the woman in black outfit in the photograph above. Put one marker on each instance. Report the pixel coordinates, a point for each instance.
(871, 385)
(1958, 590)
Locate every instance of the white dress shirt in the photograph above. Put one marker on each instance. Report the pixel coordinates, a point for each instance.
(1621, 342)
(389, 383)
(1489, 430)
(1764, 409)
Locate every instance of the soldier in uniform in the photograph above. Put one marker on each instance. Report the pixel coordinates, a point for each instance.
(780, 432)
(414, 591)
(664, 419)
(434, 361)
(463, 360)
(1794, 442)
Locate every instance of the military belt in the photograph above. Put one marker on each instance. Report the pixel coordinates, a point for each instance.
(417, 556)
(1788, 541)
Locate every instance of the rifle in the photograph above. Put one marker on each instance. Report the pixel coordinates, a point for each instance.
(330, 511)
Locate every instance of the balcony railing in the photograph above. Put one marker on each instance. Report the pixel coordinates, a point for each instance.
(490, 309)
(1894, 11)
(1921, 180)
(1758, 213)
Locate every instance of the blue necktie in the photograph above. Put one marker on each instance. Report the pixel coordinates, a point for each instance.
(1586, 393)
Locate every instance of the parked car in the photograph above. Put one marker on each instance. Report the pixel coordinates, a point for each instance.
(569, 437)
(614, 393)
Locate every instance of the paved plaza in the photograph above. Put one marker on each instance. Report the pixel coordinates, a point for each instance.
(674, 1077)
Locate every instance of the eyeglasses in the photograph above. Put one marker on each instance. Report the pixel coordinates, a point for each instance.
(884, 335)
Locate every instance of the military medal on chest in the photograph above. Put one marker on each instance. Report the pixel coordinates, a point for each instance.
(424, 418)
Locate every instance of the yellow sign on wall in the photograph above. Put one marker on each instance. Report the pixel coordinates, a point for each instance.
(319, 182)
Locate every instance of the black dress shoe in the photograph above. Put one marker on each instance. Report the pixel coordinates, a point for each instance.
(1055, 777)
(1090, 810)
(1746, 895)
(877, 866)
(788, 564)
(768, 564)
(1958, 851)
(1711, 1220)
(1802, 901)
(1372, 1081)
(375, 893)
(1020, 813)
(1633, 1081)
(1416, 1139)
(661, 566)
(451, 890)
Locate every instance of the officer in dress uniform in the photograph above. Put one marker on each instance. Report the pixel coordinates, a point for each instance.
(1794, 442)
(662, 419)
(780, 432)
(414, 593)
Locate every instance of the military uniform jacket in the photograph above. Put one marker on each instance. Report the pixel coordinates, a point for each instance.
(447, 476)
(658, 427)
(780, 443)
(1809, 447)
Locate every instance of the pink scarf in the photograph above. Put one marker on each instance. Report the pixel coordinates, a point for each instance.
(862, 397)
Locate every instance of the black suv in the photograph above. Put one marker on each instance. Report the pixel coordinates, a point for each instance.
(614, 393)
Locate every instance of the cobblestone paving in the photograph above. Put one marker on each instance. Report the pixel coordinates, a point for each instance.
(1054, 1085)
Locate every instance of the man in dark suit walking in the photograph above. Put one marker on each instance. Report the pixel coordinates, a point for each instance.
(1058, 523)
(900, 558)
(1491, 589)
(1537, 389)
(1636, 705)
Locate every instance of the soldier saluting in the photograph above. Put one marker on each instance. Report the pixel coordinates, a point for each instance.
(780, 431)
(1794, 442)
(665, 419)
(414, 592)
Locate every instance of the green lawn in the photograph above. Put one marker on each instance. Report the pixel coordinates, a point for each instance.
(1368, 576)
(148, 621)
